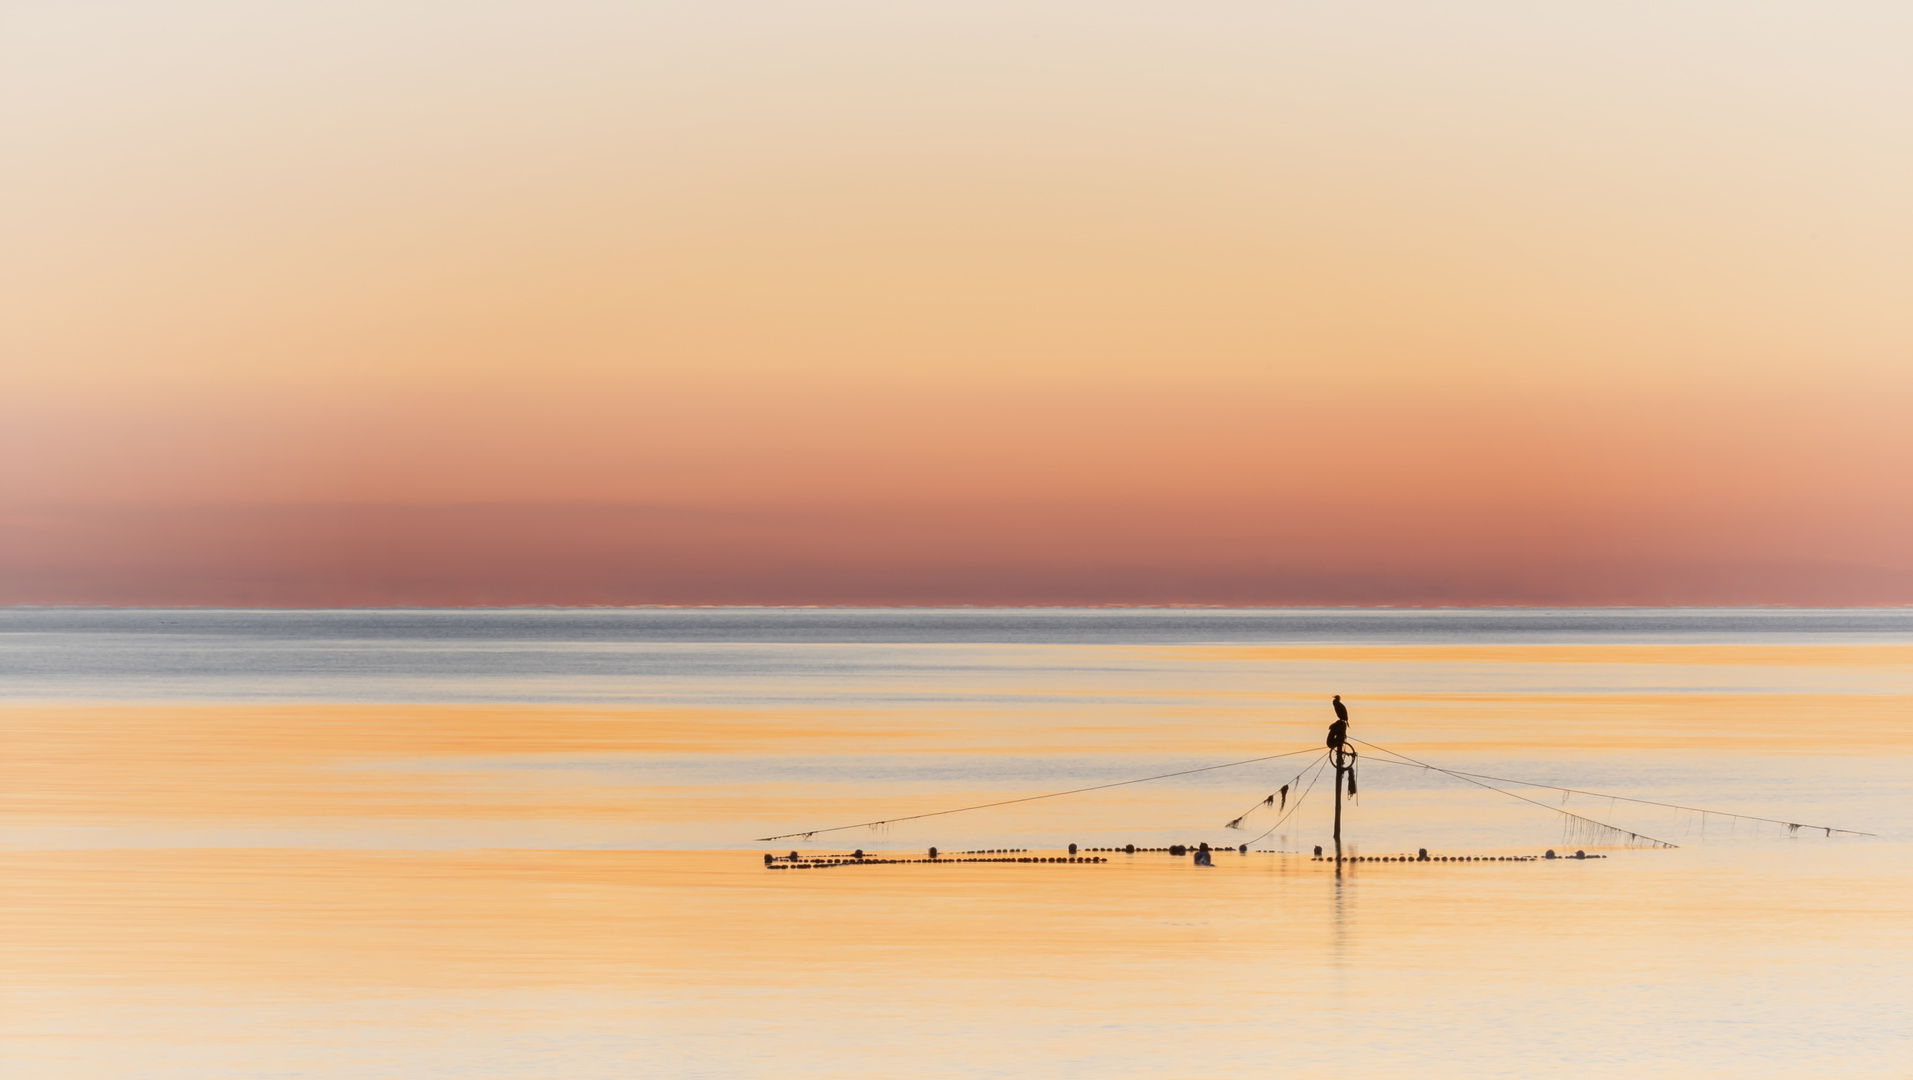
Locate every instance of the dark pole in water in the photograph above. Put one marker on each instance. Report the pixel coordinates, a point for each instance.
(1338, 753)
(1339, 769)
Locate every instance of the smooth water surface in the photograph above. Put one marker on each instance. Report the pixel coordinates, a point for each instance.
(523, 843)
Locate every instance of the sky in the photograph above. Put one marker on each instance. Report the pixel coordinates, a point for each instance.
(956, 303)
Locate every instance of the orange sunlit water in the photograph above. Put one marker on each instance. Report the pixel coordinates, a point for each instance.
(354, 890)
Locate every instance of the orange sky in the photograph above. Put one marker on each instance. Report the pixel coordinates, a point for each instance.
(858, 303)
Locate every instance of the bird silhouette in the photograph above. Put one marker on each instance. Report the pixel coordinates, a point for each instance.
(1338, 731)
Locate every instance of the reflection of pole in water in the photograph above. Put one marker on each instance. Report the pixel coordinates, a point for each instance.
(1339, 950)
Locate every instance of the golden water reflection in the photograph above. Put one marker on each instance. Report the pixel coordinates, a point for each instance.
(339, 890)
(703, 963)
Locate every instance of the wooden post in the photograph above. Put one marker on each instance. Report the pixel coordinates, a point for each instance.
(1341, 766)
(1339, 753)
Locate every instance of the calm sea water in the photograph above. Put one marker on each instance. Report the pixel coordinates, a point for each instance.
(525, 843)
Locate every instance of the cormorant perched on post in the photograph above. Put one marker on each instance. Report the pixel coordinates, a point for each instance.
(1338, 731)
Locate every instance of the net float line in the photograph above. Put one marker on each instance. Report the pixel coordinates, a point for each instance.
(1424, 857)
(1088, 855)
(825, 862)
(795, 861)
